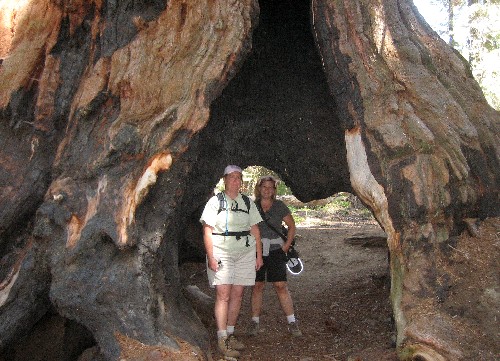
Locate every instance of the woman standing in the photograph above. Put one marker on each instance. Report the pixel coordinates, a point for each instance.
(274, 251)
(234, 254)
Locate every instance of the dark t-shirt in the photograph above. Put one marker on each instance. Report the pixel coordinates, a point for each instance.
(274, 216)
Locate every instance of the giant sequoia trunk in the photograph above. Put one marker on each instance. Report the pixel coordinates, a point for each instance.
(118, 117)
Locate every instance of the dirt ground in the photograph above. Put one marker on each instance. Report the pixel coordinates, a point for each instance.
(341, 298)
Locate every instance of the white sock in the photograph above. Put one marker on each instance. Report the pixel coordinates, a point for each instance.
(290, 318)
(222, 333)
(256, 319)
(230, 330)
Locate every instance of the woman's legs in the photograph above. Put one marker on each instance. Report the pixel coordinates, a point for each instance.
(235, 298)
(222, 297)
(284, 297)
(286, 302)
(227, 307)
(257, 293)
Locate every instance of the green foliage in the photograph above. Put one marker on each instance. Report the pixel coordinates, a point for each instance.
(473, 29)
(283, 190)
(252, 174)
(298, 218)
(340, 205)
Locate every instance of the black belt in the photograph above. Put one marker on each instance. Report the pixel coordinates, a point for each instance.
(238, 235)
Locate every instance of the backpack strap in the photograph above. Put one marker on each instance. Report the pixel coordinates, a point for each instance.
(223, 207)
(246, 199)
(223, 202)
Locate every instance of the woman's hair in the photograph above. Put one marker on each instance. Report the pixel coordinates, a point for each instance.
(261, 180)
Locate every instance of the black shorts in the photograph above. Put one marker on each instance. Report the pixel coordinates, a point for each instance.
(274, 268)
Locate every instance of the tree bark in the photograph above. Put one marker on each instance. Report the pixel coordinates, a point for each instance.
(95, 104)
(423, 153)
(112, 134)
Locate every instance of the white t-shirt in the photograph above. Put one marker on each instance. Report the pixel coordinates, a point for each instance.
(235, 218)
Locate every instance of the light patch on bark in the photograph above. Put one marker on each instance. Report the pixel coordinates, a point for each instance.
(428, 175)
(10, 13)
(425, 353)
(76, 225)
(95, 81)
(5, 290)
(365, 185)
(372, 193)
(159, 163)
(48, 85)
(379, 27)
(10, 279)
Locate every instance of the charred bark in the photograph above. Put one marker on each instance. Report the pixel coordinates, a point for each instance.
(100, 105)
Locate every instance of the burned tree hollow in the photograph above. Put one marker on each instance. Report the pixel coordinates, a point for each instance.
(117, 120)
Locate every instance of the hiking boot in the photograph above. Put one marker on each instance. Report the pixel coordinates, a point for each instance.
(225, 349)
(253, 329)
(234, 343)
(293, 328)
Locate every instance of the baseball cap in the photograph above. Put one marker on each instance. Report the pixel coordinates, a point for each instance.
(232, 168)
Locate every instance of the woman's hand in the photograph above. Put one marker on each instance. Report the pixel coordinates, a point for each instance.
(259, 262)
(213, 264)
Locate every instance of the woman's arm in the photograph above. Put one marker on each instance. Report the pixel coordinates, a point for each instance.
(209, 247)
(254, 231)
(290, 223)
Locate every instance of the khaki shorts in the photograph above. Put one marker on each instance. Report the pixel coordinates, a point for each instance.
(235, 268)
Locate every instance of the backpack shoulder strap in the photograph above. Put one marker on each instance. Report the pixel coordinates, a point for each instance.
(259, 208)
(246, 199)
(266, 220)
(222, 201)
